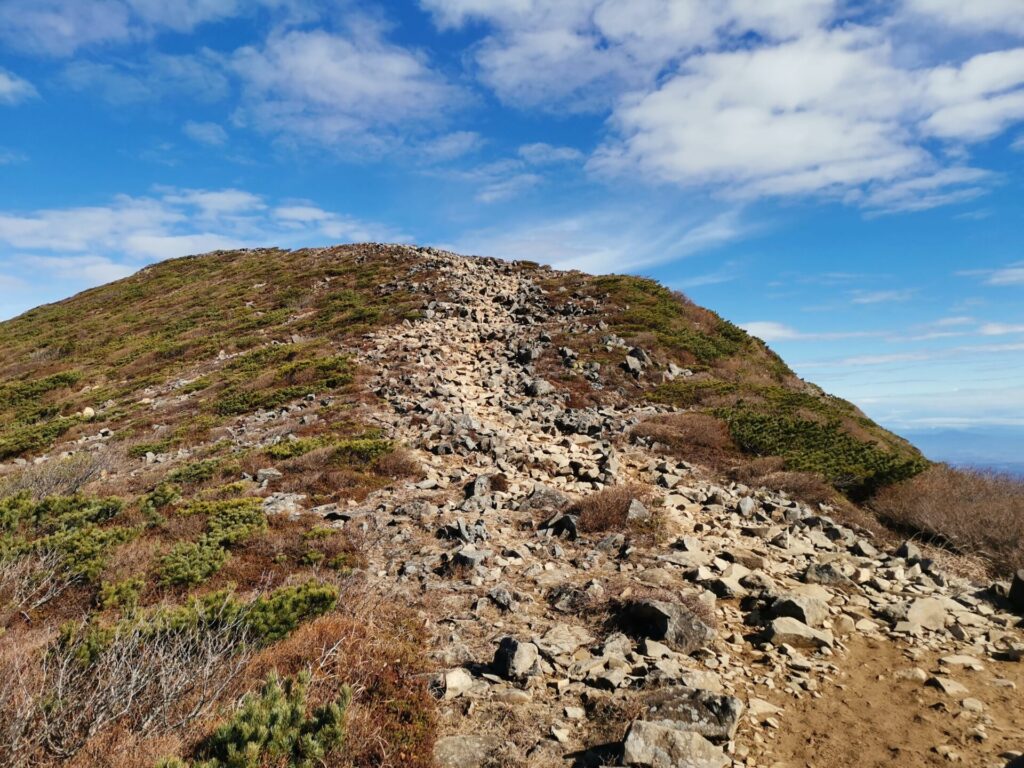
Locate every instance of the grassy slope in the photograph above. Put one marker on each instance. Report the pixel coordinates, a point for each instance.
(737, 378)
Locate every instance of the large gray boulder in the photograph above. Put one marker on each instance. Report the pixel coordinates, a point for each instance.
(689, 709)
(675, 623)
(810, 610)
(515, 660)
(654, 745)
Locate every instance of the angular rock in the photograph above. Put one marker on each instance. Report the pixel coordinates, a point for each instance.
(515, 660)
(1017, 591)
(789, 631)
(539, 388)
(470, 556)
(675, 623)
(810, 610)
(689, 709)
(829, 574)
(653, 745)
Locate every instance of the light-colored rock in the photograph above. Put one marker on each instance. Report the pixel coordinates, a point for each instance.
(653, 745)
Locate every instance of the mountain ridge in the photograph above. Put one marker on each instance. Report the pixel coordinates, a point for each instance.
(434, 510)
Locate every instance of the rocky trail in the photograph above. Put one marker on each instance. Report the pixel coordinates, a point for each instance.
(750, 630)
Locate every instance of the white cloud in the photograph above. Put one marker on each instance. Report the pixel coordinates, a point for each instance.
(579, 54)
(14, 89)
(91, 269)
(1000, 329)
(450, 146)
(769, 330)
(61, 27)
(827, 112)
(881, 297)
(11, 156)
(976, 16)
(211, 134)
(507, 188)
(1012, 274)
(353, 90)
(620, 239)
(546, 154)
(199, 76)
(175, 223)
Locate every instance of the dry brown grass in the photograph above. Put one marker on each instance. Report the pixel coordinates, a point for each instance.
(967, 510)
(399, 463)
(695, 437)
(606, 510)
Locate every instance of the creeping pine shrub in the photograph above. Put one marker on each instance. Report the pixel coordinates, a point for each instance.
(272, 728)
(68, 527)
(20, 438)
(195, 473)
(191, 563)
(121, 594)
(229, 523)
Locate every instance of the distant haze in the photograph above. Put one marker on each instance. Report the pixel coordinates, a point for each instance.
(999, 448)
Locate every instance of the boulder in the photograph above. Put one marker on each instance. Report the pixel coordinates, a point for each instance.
(810, 610)
(539, 388)
(1017, 591)
(689, 709)
(653, 745)
(515, 660)
(789, 631)
(675, 623)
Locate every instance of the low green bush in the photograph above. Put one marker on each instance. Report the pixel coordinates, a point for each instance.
(272, 728)
(191, 563)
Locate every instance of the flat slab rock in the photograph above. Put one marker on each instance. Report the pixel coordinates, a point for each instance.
(653, 745)
(464, 750)
(689, 709)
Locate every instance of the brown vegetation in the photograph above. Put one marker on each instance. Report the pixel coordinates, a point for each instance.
(608, 509)
(695, 437)
(967, 510)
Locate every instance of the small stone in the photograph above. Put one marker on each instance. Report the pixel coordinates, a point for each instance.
(947, 686)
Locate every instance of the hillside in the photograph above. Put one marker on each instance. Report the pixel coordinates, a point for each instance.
(383, 505)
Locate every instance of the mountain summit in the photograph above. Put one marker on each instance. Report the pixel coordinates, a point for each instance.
(387, 505)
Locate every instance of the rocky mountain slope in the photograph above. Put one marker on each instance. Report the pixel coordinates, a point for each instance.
(488, 514)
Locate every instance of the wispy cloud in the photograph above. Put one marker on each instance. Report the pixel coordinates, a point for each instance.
(881, 297)
(14, 89)
(621, 239)
(769, 330)
(211, 134)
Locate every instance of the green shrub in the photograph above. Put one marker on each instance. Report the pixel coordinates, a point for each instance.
(139, 451)
(21, 438)
(191, 563)
(272, 728)
(121, 594)
(195, 473)
(277, 616)
(362, 449)
(17, 392)
(291, 449)
(233, 520)
(228, 523)
(66, 525)
(858, 468)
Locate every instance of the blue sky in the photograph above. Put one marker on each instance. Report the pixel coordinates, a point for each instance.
(842, 178)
